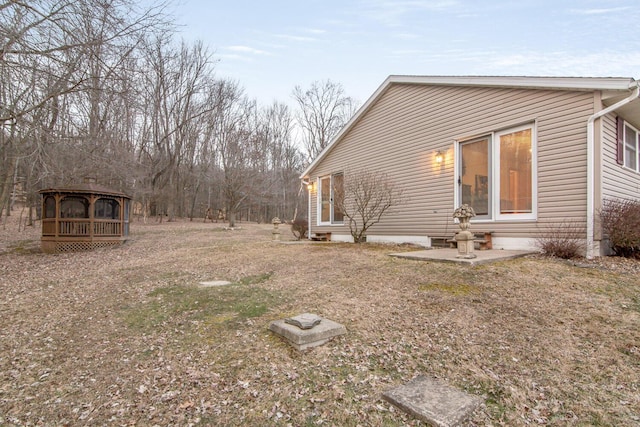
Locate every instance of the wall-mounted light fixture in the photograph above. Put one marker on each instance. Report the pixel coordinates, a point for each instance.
(439, 157)
(308, 184)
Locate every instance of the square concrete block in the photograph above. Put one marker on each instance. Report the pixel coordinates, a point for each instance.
(302, 339)
(433, 401)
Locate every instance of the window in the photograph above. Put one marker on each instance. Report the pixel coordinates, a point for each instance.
(338, 193)
(127, 208)
(474, 177)
(331, 187)
(107, 209)
(49, 207)
(515, 172)
(74, 207)
(631, 148)
(497, 174)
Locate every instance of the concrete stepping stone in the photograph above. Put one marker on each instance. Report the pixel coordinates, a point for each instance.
(304, 321)
(214, 283)
(433, 401)
(307, 330)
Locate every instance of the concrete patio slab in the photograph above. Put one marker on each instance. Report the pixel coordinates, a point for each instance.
(433, 401)
(449, 255)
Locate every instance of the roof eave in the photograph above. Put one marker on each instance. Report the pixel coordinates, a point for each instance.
(85, 189)
(555, 83)
(569, 83)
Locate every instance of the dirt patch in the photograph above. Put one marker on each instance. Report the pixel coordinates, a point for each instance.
(126, 336)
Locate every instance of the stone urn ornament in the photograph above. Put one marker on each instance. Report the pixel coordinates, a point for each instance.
(464, 213)
(464, 237)
(276, 231)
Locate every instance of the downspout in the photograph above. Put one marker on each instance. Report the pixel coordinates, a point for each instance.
(309, 213)
(591, 161)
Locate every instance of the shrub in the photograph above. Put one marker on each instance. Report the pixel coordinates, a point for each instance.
(299, 228)
(364, 198)
(620, 221)
(565, 240)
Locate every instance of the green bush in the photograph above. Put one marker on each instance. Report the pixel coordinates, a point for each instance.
(620, 221)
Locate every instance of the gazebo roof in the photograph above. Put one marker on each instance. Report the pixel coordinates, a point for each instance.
(86, 188)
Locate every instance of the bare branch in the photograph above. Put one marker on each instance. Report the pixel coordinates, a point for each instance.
(324, 110)
(364, 198)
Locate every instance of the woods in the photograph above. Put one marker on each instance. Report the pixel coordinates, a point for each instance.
(106, 90)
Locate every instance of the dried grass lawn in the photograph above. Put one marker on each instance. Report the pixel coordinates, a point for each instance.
(126, 337)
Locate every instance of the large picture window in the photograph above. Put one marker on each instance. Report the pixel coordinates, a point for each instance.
(330, 187)
(496, 174)
(515, 169)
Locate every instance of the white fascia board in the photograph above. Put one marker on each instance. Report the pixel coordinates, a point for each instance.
(574, 83)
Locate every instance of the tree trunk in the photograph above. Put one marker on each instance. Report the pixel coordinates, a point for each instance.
(30, 219)
(295, 211)
(194, 197)
(7, 187)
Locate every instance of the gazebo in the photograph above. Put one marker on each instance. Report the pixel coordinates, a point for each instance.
(83, 217)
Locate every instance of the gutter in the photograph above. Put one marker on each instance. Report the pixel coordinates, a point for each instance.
(591, 160)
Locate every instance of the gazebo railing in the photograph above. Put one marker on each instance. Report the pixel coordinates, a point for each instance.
(74, 227)
(103, 227)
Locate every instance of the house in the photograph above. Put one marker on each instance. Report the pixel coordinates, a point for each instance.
(528, 153)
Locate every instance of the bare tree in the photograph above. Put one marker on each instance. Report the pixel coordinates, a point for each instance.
(232, 138)
(52, 52)
(175, 100)
(364, 197)
(324, 110)
(101, 88)
(280, 162)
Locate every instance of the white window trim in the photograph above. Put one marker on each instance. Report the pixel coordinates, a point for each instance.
(624, 147)
(319, 201)
(494, 160)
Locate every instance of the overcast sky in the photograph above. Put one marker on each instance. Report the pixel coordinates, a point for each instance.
(270, 46)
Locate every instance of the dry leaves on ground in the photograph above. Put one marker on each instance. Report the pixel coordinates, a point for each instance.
(126, 337)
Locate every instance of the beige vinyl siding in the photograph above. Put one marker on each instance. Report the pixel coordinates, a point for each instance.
(403, 129)
(618, 182)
